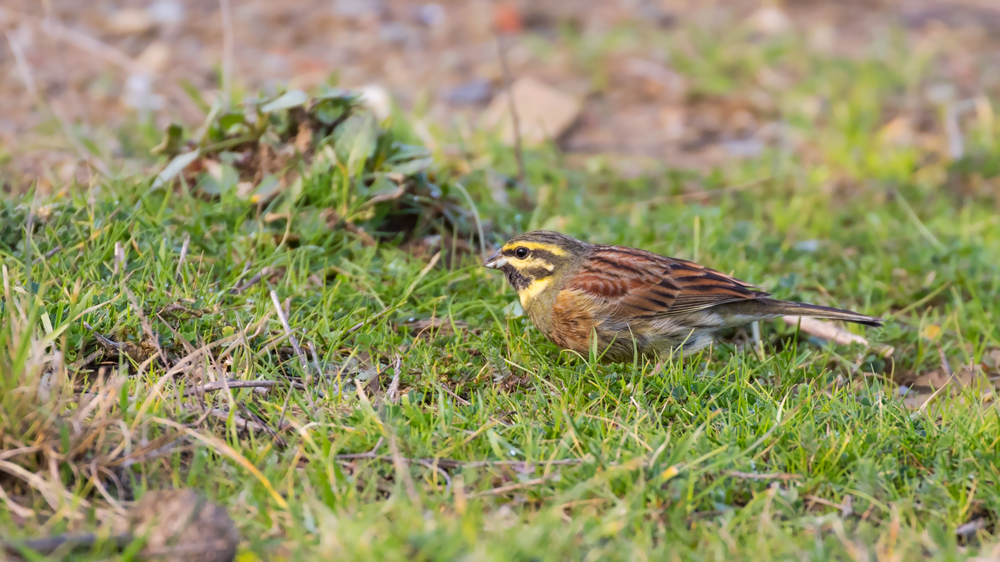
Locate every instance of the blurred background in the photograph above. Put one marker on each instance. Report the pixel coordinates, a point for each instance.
(630, 84)
(204, 156)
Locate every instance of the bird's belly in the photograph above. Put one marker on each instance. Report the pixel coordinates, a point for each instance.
(577, 323)
(649, 339)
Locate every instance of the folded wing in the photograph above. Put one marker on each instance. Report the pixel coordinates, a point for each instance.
(642, 284)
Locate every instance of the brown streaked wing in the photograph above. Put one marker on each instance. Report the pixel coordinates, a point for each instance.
(648, 285)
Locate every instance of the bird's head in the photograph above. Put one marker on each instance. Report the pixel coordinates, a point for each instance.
(536, 261)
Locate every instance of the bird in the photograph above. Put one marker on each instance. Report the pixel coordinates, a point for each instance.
(630, 302)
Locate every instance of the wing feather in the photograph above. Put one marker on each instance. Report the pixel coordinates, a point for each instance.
(647, 285)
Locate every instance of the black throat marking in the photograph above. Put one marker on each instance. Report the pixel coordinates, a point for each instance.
(514, 277)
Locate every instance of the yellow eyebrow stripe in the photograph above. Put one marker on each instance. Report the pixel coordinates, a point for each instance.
(536, 246)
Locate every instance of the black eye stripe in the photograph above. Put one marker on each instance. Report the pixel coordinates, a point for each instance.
(538, 272)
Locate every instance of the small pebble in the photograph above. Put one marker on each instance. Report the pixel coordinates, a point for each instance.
(473, 92)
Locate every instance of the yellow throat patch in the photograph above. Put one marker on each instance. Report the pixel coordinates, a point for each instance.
(529, 293)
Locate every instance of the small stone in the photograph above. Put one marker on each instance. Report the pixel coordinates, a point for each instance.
(807, 246)
(899, 131)
(357, 9)
(770, 20)
(378, 100)
(661, 80)
(130, 21)
(672, 120)
(744, 148)
(941, 93)
(139, 93)
(472, 92)
(166, 12)
(544, 113)
(155, 57)
(432, 15)
(398, 34)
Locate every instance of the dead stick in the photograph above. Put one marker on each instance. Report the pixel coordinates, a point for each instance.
(233, 383)
(766, 476)
(515, 121)
(303, 362)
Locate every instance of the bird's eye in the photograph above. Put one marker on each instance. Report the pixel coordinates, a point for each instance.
(521, 252)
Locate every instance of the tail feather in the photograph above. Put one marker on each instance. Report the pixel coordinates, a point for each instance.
(788, 308)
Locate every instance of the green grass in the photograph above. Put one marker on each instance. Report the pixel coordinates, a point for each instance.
(492, 445)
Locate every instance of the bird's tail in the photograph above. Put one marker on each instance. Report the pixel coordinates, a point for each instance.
(787, 308)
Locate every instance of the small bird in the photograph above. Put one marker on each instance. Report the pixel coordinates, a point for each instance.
(632, 300)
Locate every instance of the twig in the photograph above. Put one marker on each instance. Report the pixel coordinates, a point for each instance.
(956, 146)
(475, 215)
(184, 252)
(452, 463)
(103, 340)
(239, 421)
(93, 46)
(944, 363)
(400, 464)
(966, 530)
(53, 495)
(177, 369)
(369, 320)
(392, 395)
(86, 360)
(515, 121)
(147, 328)
(22, 66)
(423, 272)
(695, 194)
(227, 51)
(260, 421)
(29, 84)
(224, 449)
(758, 345)
(47, 255)
(66, 543)
(764, 476)
(821, 501)
(15, 507)
(119, 259)
(512, 487)
(303, 362)
(376, 447)
(460, 400)
(149, 453)
(253, 281)
(921, 227)
(933, 396)
(442, 472)
(315, 356)
(235, 383)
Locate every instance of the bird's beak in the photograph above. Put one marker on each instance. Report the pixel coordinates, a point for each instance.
(496, 261)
